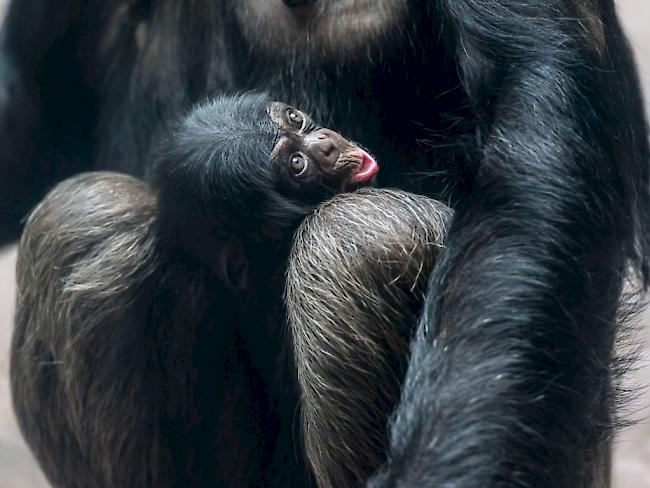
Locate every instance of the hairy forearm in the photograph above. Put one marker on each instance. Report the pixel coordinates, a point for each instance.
(509, 374)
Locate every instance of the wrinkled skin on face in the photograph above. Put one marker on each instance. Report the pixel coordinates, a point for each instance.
(307, 156)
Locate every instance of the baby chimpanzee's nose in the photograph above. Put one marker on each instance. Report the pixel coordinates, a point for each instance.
(325, 146)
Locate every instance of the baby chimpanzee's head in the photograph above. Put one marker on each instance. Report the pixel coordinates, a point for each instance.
(247, 158)
(248, 168)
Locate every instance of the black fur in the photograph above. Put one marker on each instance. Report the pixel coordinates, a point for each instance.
(525, 115)
(220, 201)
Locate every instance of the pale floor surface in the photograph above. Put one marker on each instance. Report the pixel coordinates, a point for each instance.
(632, 455)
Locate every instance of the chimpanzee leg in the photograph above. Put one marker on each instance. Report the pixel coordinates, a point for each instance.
(79, 362)
(356, 278)
(131, 366)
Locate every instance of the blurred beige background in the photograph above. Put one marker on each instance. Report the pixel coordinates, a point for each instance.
(632, 456)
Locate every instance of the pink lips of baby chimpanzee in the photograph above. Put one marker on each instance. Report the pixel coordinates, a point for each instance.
(366, 170)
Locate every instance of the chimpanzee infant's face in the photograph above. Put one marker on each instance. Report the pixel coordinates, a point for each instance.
(307, 157)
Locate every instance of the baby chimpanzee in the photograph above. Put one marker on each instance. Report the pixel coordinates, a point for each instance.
(159, 308)
(240, 171)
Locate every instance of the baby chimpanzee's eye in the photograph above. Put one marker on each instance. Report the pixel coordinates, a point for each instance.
(295, 117)
(299, 164)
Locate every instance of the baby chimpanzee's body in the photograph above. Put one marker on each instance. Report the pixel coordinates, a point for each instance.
(183, 280)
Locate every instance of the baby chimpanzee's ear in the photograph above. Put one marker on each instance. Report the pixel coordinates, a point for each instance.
(231, 265)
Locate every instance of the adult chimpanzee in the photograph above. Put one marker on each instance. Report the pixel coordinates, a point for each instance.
(526, 115)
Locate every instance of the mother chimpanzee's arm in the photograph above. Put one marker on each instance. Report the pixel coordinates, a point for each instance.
(46, 108)
(509, 382)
